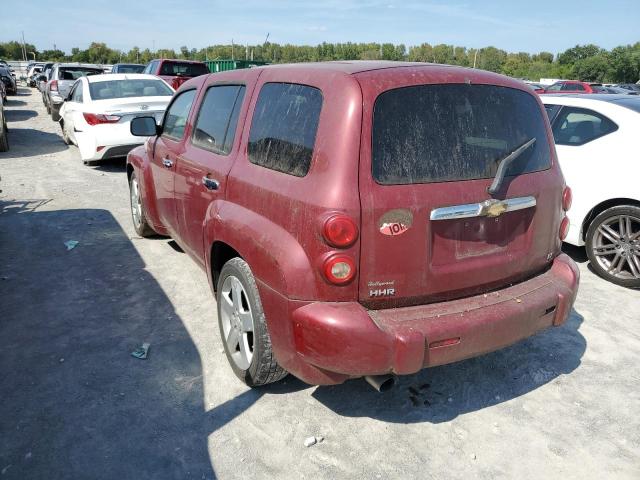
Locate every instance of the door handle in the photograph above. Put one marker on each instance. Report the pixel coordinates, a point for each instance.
(210, 183)
(167, 162)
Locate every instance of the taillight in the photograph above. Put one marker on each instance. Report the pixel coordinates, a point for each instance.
(340, 231)
(175, 83)
(54, 86)
(98, 118)
(339, 269)
(567, 198)
(564, 228)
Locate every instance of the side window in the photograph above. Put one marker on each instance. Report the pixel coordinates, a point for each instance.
(215, 127)
(552, 111)
(577, 126)
(77, 93)
(175, 119)
(555, 87)
(284, 126)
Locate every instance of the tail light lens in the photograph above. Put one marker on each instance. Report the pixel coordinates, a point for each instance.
(340, 231)
(567, 198)
(98, 118)
(54, 86)
(564, 228)
(339, 269)
(176, 82)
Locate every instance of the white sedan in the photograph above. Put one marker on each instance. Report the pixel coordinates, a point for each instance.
(597, 141)
(99, 108)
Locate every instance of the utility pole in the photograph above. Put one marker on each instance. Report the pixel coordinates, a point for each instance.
(24, 48)
(232, 49)
(475, 57)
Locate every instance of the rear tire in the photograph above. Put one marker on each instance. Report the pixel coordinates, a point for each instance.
(65, 137)
(613, 245)
(138, 215)
(55, 116)
(4, 138)
(243, 327)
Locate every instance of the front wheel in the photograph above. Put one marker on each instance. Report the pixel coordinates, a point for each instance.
(613, 245)
(243, 326)
(140, 223)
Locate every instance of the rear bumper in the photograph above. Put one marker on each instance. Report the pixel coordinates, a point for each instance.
(350, 341)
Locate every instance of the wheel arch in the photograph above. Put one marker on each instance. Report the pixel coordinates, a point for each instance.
(601, 207)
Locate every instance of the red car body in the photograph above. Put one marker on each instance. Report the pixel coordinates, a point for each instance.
(438, 292)
(574, 86)
(176, 72)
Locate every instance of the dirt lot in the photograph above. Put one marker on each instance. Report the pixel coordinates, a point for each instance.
(76, 404)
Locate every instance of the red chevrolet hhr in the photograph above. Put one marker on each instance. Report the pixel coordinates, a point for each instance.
(361, 219)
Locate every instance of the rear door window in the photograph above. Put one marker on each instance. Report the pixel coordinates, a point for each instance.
(284, 126)
(577, 126)
(215, 127)
(452, 132)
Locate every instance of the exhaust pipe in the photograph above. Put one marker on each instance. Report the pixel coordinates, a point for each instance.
(382, 383)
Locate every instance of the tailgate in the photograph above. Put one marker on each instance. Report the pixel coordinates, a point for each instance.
(430, 230)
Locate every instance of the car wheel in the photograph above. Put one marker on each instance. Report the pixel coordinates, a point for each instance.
(65, 137)
(55, 116)
(140, 224)
(613, 245)
(243, 327)
(4, 138)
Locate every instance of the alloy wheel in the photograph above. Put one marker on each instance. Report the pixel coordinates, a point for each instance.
(237, 322)
(616, 246)
(136, 203)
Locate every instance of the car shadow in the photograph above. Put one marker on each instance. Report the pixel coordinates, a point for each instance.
(441, 394)
(14, 103)
(19, 115)
(29, 142)
(578, 254)
(118, 164)
(75, 400)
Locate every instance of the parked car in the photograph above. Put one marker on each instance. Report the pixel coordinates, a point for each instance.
(8, 80)
(597, 143)
(176, 72)
(127, 68)
(573, 86)
(63, 76)
(537, 87)
(99, 108)
(4, 131)
(342, 237)
(633, 87)
(3, 93)
(619, 90)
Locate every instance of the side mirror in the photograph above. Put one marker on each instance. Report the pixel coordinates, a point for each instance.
(144, 127)
(42, 78)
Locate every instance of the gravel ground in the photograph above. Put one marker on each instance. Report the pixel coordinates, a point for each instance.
(76, 404)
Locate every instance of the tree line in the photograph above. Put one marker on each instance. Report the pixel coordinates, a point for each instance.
(584, 62)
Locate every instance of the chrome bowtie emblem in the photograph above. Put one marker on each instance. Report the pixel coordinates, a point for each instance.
(144, 107)
(493, 208)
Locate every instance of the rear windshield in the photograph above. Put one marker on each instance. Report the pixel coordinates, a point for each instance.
(128, 88)
(444, 133)
(130, 68)
(183, 69)
(73, 73)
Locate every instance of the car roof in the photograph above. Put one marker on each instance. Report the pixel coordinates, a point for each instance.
(630, 102)
(351, 67)
(181, 60)
(90, 65)
(120, 76)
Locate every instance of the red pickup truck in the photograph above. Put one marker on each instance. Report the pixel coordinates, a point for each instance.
(176, 72)
(361, 218)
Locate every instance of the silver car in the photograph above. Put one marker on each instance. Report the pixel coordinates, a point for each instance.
(63, 76)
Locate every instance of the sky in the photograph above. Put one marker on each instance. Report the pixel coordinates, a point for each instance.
(514, 26)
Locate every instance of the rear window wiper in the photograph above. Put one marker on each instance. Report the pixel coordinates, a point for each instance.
(504, 165)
